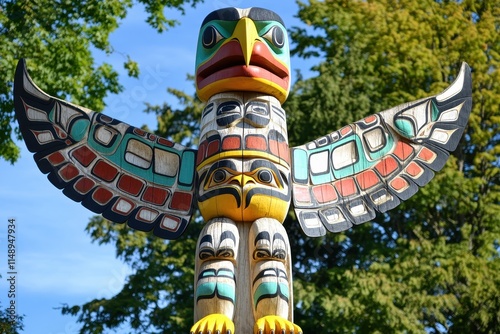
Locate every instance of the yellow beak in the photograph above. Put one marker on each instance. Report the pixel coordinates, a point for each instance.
(242, 179)
(246, 33)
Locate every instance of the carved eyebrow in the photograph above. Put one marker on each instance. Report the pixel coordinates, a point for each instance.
(266, 164)
(262, 236)
(227, 235)
(261, 14)
(206, 238)
(224, 14)
(223, 163)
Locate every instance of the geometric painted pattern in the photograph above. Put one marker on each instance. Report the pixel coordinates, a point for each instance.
(110, 167)
(341, 179)
(337, 181)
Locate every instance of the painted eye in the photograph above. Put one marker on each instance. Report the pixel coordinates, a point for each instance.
(276, 36)
(265, 176)
(219, 176)
(210, 37)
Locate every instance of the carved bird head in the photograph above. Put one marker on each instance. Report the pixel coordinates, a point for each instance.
(243, 50)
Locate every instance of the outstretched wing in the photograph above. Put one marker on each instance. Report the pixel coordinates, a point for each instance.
(110, 167)
(341, 179)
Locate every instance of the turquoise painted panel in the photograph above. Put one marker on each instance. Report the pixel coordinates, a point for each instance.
(365, 159)
(79, 129)
(227, 291)
(300, 164)
(322, 178)
(187, 169)
(206, 289)
(116, 155)
(267, 288)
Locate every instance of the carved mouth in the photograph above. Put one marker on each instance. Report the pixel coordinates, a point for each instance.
(230, 63)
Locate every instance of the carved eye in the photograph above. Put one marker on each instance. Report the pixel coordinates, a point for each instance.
(219, 176)
(206, 253)
(276, 35)
(210, 37)
(225, 252)
(260, 253)
(279, 254)
(265, 176)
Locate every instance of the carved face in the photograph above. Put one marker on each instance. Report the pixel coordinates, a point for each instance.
(243, 50)
(243, 160)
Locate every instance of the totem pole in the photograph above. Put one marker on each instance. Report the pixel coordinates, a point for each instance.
(243, 175)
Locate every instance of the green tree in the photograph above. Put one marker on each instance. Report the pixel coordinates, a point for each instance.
(10, 323)
(432, 264)
(57, 37)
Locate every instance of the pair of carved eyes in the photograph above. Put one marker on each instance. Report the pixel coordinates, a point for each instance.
(275, 35)
(208, 253)
(264, 176)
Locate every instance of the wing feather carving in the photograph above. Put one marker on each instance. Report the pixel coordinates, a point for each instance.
(110, 167)
(342, 179)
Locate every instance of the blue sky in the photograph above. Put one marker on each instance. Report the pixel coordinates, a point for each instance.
(56, 261)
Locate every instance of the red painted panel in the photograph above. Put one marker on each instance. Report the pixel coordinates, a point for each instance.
(403, 150)
(202, 149)
(130, 184)
(414, 169)
(84, 155)
(68, 172)
(56, 158)
(84, 185)
(102, 196)
(213, 147)
(427, 155)
(231, 143)
(181, 201)
(325, 193)
(255, 143)
(155, 195)
(346, 187)
(301, 194)
(387, 166)
(139, 132)
(106, 119)
(165, 142)
(370, 119)
(399, 184)
(345, 130)
(104, 171)
(367, 179)
(280, 149)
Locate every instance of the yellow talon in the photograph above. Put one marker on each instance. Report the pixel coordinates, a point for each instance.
(213, 323)
(275, 324)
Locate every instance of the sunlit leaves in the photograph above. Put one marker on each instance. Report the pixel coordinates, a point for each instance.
(56, 37)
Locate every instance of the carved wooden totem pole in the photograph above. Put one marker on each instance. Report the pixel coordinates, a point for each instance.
(243, 176)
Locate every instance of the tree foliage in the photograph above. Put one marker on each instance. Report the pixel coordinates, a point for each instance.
(431, 265)
(57, 38)
(10, 323)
